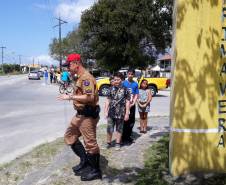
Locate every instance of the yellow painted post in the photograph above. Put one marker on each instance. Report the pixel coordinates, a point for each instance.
(198, 97)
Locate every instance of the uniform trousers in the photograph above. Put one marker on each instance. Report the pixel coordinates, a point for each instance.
(85, 127)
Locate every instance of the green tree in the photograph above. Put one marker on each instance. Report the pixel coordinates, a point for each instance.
(119, 33)
(10, 68)
(69, 44)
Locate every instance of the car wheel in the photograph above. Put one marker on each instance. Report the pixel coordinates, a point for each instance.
(153, 90)
(104, 89)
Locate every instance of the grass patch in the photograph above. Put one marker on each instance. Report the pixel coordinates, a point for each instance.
(13, 172)
(157, 166)
(156, 163)
(102, 126)
(47, 149)
(218, 179)
(12, 73)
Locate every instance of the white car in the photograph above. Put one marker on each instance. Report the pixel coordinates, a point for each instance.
(34, 75)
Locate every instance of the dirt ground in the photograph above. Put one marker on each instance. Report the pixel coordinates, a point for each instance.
(51, 163)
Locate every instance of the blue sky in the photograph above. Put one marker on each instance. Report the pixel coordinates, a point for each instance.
(27, 26)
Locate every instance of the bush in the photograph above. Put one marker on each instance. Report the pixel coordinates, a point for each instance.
(156, 163)
(11, 68)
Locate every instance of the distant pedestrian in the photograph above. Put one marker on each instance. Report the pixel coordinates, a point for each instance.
(132, 86)
(54, 77)
(51, 74)
(143, 102)
(58, 76)
(46, 76)
(117, 109)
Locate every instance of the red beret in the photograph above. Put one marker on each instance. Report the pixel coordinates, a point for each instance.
(72, 57)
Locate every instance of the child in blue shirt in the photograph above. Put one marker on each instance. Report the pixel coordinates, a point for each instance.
(132, 86)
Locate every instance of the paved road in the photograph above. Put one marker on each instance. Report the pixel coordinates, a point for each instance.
(30, 114)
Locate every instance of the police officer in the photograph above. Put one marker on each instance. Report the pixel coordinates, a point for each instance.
(85, 100)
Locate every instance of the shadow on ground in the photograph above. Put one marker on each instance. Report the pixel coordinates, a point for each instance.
(125, 175)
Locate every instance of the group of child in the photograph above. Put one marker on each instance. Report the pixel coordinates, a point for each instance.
(120, 108)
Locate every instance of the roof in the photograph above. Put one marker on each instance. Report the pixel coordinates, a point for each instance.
(156, 68)
(165, 57)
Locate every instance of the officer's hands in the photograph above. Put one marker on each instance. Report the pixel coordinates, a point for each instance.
(126, 118)
(132, 104)
(106, 115)
(63, 97)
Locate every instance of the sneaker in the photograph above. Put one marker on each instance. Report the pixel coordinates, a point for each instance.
(106, 146)
(117, 146)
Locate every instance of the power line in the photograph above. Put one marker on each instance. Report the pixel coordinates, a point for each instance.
(3, 47)
(59, 25)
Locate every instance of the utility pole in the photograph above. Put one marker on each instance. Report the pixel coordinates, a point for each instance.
(20, 61)
(3, 57)
(59, 25)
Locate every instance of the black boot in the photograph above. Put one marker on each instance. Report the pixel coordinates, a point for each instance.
(94, 172)
(79, 150)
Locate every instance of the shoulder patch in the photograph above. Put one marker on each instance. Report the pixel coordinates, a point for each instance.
(88, 90)
(86, 83)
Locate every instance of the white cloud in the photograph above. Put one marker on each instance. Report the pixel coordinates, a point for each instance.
(71, 10)
(44, 59)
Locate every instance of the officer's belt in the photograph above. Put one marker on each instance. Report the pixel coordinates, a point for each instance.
(89, 111)
(81, 112)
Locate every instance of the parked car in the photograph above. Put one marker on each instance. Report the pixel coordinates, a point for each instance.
(154, 84)
(103, 85)
(34, 75)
